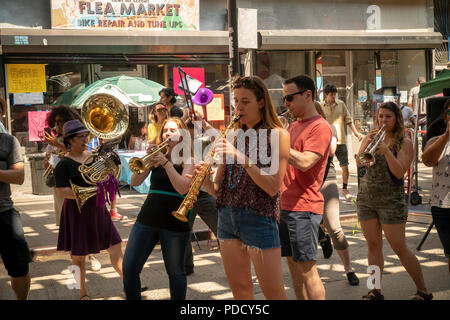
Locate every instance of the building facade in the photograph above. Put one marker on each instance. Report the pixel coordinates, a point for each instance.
(360, 46)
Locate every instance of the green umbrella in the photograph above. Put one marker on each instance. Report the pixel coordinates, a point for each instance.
(67, 97)
(435, 85)
(139, 90)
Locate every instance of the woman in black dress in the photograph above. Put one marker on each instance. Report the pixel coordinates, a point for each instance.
(90, 230)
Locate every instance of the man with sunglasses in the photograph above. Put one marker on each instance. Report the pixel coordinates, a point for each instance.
(301, 200)
(337, 115)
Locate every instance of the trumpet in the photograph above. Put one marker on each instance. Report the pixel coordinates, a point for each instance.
(367, 157)
(197, 181)
(139, 165)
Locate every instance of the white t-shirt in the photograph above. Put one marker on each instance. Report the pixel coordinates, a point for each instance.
(414, 93)
(407, 114)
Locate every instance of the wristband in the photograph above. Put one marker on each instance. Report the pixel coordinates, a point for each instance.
(164, 165)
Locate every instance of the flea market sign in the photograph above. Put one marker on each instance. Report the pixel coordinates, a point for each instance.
(126, 14)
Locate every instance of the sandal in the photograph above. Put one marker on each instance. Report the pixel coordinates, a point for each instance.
(85, 297)
(420, 295)
(373, 294)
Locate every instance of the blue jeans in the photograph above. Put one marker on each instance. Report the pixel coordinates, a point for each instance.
(140, 245)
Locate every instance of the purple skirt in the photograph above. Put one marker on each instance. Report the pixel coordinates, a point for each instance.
(87, 232)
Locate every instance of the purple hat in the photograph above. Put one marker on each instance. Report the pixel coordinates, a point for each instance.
(72, 127)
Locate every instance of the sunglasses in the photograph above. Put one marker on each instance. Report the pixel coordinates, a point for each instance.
(161, 109)
(290, 97)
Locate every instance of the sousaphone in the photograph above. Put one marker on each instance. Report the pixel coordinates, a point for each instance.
(106, 117)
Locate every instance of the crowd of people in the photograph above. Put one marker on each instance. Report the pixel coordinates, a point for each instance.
(282, 218)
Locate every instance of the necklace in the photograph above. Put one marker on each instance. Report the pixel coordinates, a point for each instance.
(232, 185)
(230, 178)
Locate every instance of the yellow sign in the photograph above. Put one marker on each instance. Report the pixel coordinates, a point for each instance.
(23, 78)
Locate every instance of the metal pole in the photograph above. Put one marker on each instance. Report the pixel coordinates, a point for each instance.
(234, 67)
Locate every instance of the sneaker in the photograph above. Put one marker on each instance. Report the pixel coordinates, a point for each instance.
(95, 264)
(347, 195)
(352, 279)
(327, 248)
(116, 216)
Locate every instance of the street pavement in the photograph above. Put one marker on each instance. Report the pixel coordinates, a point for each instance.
(209, 282)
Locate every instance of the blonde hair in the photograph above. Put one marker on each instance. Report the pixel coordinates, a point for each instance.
(259, 89)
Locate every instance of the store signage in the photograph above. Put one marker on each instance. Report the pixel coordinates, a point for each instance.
(36, 125)
(215, 110)
(126, 14)
(28, 98)
(196, 73)
(23, 78)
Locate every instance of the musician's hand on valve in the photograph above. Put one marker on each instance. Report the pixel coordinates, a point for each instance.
(150, 147)
(159, 159)
(382, 148)
(197, 168)
(226, 150)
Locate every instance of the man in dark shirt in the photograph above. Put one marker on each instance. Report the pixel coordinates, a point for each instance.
(14, 249)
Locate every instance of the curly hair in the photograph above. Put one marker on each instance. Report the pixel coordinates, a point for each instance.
(65, 112)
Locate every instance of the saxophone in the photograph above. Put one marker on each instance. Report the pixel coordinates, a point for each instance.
(197, 181)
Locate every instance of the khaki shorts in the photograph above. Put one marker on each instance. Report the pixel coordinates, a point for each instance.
(395, 213)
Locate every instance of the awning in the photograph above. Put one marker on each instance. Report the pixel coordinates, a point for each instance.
(17, 40)
(348, 39)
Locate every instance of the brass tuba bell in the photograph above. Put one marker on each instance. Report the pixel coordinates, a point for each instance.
(106, 117)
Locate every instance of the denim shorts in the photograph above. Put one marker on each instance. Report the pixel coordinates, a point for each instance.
(299, 234)
(244, 224)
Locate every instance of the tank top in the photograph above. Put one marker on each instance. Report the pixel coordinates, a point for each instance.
(441, 180)
(157, 208)
(377, 188)
(246, 193)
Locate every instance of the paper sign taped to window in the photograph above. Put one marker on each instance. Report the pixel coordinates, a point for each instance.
(24, 78)
(36, 125)
(215, 110)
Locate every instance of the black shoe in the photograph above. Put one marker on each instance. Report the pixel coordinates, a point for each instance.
(327, 248)
(352, 279)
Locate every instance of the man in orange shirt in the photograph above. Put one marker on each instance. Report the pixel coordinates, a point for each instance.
(301, 200)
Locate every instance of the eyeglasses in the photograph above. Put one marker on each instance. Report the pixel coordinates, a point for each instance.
(82, 136)
(290, 97)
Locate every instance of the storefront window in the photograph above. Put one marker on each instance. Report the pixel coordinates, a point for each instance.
(399, 72)
(63, 82)
(275, 67)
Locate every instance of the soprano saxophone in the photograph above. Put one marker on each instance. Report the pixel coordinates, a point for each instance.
(197, 181)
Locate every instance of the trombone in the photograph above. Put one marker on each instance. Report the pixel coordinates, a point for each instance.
(139, 165)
